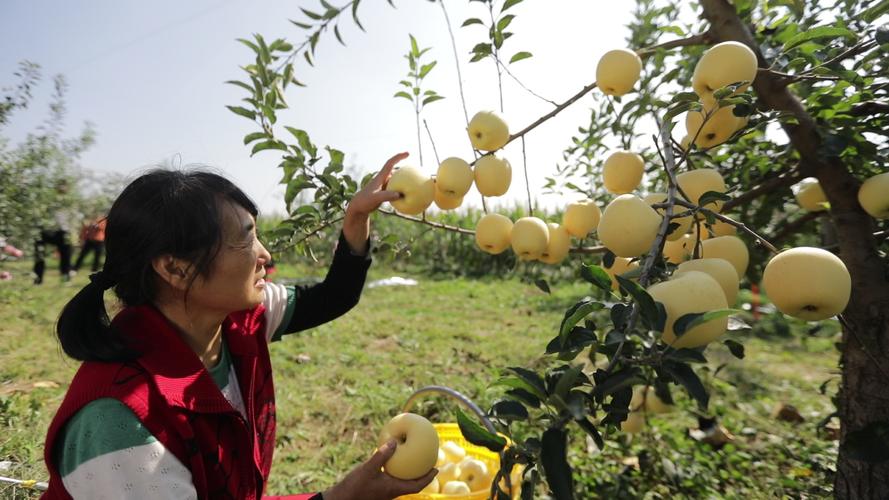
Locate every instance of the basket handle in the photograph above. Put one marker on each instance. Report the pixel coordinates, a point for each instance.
(465, 401)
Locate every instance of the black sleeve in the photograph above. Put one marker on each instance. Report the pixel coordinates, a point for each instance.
(337, 294)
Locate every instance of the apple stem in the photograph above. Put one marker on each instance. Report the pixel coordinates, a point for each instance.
(527, 181)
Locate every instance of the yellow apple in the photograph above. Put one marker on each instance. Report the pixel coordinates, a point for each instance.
(620, 266)
(873, 195)
(691, 292)
(493, 175)
(684, 222)
(445, 201)
(417, 446)
(581, 218)
(454, 453)
(622, 172)
(559, 244)
(719, 128)
(645, 400)
(418, 190)
(730, 248)
(488, 131)
(634, 423)
(723, 64)
(448, 472)
(492, 233)
(628, 226)
(431, 488)
(455, 488)
(475, 474)
(719, 269)
(694, 183)
(529, 237)
(807, 283)
(809, 195)
(680, 250)
(454, 177)
(618, 71)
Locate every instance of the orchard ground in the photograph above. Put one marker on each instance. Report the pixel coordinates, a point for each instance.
(339, 383)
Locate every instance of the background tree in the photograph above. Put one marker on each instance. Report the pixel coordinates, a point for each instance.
(817, 108)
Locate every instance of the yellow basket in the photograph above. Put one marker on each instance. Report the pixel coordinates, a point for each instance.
(451, 432)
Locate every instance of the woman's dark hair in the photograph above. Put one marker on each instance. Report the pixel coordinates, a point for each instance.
(161, 212)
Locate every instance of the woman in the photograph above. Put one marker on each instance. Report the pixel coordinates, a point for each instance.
(174, 398)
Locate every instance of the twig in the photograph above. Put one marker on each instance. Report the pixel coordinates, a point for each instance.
(699, 39)
(731, 221)
(767, 186)
(456, 61)
(527, 181)
(434, 150)
(864, 347)
(862, 46)
(535, 94)
(427, 222)
(494, 52)
(789, 78)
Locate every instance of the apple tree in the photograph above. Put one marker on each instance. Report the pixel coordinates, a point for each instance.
(814, 106)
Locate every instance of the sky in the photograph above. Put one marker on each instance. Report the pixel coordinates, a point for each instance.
(150, 78)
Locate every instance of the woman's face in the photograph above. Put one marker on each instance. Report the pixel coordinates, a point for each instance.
(236, 275)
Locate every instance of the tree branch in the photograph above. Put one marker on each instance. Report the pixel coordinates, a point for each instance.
(767, 186)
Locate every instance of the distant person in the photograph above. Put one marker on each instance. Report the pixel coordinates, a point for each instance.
(58, 236)
(174, 398)
(92, 238)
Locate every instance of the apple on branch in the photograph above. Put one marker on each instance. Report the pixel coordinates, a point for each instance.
(810, 196)
(628, 226)
(492, 233)
(445, 201)
(416, 446)
(723, 64)
(581, 218)
(645, 400)
(418, 190)
(691, 292)
(719, 128)
(730, 248)
(807, 283)
(529, 237)
(559, 244)
(622, 172)
(695, 183)
(619, 267)
(454, 177)
(493, 175)
(488, 131)
(719, 269)
(873, 195)
(684, 222)
(618, 71)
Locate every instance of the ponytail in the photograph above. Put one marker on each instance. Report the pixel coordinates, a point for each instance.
(84, 329)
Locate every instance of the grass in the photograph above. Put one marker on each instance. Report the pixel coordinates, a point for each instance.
(337, 384)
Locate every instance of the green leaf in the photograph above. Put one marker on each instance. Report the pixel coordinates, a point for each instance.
(262, 146)
(817, 33)
(688, 321)
(508, 410)
(577, 339)
(426, 68)
(243, 85)
(415, 50)
(872, 13)
(478, 435)
(868, 444)
(404, 94)
(576, 313)
(687, 356)
(690, 380)
(301, 25)
(471, 21)
(311, 15)
(711, 197)
(684, 97)
(509, 3)
(543, 285)
(616, 381)
(504, 22)
(355, 14)
(736, 348)
(648, 309)
(249, 44)
(534, 381)
(554, 459)
(255, 136)
(518, 56)
(567, 380)
(246, 113)
(596, 275)
(524, 396)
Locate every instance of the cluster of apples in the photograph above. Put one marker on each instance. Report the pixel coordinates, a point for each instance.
(873, 195)
(418, 451)
(492, 174)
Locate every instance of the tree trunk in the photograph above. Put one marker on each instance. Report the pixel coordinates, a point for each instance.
(864, 392)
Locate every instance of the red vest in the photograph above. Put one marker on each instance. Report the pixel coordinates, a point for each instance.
(176, 399)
